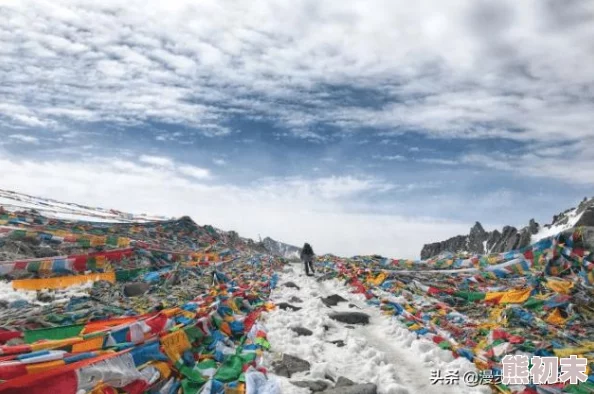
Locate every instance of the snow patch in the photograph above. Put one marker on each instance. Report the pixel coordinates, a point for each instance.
(9, 295)
(546, 232)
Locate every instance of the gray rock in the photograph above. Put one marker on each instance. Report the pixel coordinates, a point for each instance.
(291, 284)
(588, 237)
(282, 370)
(508, 240)
(367, 388)
(284, 306)
(325, 277)
(587, 218)
(44, 296)
(343, 382)
(295, 299)
(44, 251)
(281, 249)
(476, 237)
(136, 289)
(12, 249)
(338, 343)
(533, 226)
(314, 385)
(302, 331)
(332, 300)
(350, 317)
(290, 365)
(492, 240)
(525, 238)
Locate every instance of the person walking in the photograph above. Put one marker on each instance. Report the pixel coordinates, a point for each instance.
(307, 256)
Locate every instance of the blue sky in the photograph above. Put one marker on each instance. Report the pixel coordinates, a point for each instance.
(360, 126)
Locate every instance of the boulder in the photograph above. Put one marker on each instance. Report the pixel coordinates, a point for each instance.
(44, 296)
(350, 317)
(284, 306)
(302, 331)
(291, 284)
(290, 365)
(136, 289)
(314, 385)
(343, 382)
(332, 300)
(44, 251)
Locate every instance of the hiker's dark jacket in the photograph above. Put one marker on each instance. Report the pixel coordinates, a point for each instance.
(307, 253)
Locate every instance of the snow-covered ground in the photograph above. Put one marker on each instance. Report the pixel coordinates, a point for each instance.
(383, 352)
(8, 294)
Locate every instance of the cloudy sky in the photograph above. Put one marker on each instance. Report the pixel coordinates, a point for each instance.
(359, 126)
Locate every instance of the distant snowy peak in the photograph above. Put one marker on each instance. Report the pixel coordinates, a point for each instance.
(509, 238)
(281, 249)
(13, 201)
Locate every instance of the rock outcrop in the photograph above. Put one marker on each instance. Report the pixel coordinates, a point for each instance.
(509, 238)
(481, 241)
(281, 249)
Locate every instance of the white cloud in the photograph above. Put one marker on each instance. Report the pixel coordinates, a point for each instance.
(29, 139)
(220, 162)
(157, 161)
(169, 164)
(575, 166)
(390, 158)
(445, 162)
(471, 69)
(292, 210)
(195, 172)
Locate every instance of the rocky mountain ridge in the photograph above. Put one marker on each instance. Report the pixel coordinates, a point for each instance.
(281, 249)
(481, 241)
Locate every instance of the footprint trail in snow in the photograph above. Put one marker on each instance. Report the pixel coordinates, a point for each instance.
(383, 352)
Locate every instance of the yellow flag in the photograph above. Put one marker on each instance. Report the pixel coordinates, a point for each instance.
(175, 344)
